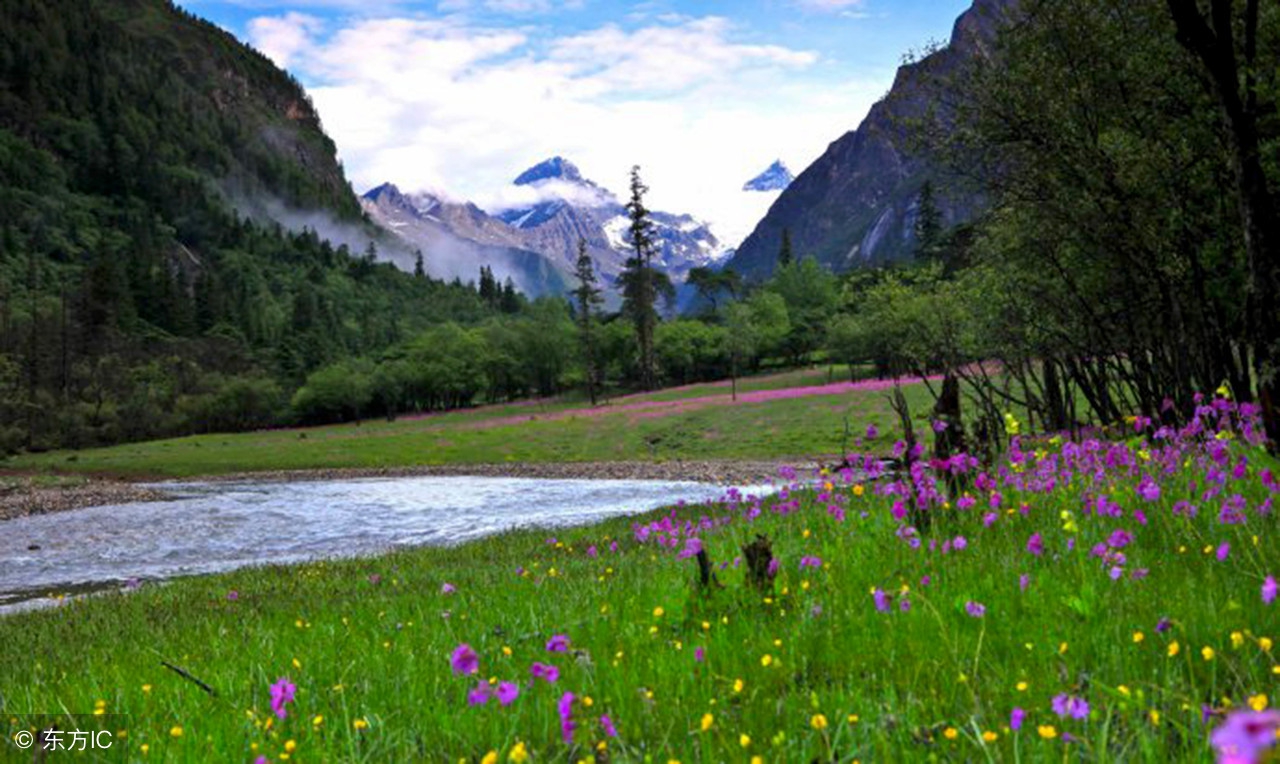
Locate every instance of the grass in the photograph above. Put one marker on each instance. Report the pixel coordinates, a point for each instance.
(699, 424)
(809, 670)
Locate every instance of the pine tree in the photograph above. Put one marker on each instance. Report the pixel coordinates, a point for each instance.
(928, 225)
(510, 298)
(588, 300)
(785, 255)
(419, 267)
(639, 291)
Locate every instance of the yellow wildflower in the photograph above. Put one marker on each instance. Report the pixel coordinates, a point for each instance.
(818, 722)
(1047, 731)
(707, 721)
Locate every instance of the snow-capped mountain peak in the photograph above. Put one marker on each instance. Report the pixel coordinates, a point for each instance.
(555, 168)
(775, 178)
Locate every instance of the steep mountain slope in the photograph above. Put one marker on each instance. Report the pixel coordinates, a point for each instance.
(134, 292)
(857, 203)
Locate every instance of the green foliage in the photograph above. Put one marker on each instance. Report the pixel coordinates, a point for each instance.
(811, 295)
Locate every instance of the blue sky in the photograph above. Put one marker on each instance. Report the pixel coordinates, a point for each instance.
(458, 96)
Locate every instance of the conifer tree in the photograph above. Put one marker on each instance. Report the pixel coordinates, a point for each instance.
(928, 225)
(785, 254)
(587, 301)
(639, 288)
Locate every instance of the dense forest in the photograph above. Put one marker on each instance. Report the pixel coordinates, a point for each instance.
(138, 296)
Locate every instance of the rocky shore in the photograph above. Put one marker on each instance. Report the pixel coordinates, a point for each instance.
(722, 472)
(21, 496)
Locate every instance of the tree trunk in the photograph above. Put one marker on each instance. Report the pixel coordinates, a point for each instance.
(1212, 41)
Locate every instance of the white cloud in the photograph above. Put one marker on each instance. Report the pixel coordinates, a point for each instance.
(442, 104)
(280, 38)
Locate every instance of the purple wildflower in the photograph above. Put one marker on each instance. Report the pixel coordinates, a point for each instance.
(1119, 539)
(547, 673)
(1148, 489)
(1269, 590)
(282, 693)
(558, 644)
(507, 692)
(975, 609)
(1070, 705)
(464, 660)
(1035, 544)
(872, 432)
(1015, 719)
(882, 600)
(1024, 581)
(810, 562)
(233, 595)
(699, 654)
(607, 725)
(1245, 736)
(1224, 551)
(447, 588)
(480, 695)
(1163, 625)
(567, 726)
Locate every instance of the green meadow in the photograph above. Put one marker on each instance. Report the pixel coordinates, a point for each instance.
(1026, 620)
(695, 422)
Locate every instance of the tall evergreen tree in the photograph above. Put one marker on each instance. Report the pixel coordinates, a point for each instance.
(928, 225)
(419, 267)
(639, 291)
(785, 254)
(509, 301)
(587, 301)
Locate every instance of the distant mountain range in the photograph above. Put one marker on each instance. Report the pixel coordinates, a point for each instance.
(537, 244)
(857, 204)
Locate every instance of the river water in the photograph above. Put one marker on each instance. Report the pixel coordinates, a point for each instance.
(212, 527)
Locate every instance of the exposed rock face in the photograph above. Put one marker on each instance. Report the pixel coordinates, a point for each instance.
(457, 239)
(856, 205)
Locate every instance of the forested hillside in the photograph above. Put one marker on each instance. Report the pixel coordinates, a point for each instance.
(138, 296)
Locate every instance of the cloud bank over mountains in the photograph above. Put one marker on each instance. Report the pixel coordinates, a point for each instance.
(450, 104)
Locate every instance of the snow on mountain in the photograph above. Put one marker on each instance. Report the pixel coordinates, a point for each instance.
(776, 178)
(548, 208)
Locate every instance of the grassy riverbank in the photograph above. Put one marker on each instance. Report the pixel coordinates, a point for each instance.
(1128, 582)
(787, 415)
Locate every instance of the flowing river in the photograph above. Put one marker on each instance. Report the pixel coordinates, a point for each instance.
(212, 527)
